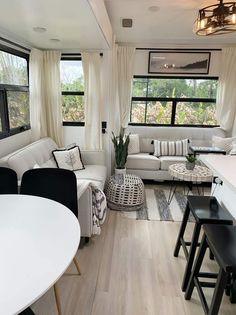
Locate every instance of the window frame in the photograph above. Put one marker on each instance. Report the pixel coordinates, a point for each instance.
(69, 57)
(4, 88)
(174, 101)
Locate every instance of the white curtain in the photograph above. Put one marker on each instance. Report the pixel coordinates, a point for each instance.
(226, 96)
(45, 95)
(114, 119)
(52, 85)
(125, 64)
(92, 100)
(37, 101)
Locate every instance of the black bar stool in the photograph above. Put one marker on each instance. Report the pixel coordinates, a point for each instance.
(206, 210)
(221, 240)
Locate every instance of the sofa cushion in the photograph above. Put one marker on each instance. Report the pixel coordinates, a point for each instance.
(50, 163)
(142, 161)
(92, 173)
(38, 152)
(133, 147)
(166, 161)
(171, 148)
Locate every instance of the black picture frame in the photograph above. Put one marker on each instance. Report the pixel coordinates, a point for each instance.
(179, 62)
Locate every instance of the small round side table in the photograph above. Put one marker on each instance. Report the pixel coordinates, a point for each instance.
(125, 192)
(197, 175)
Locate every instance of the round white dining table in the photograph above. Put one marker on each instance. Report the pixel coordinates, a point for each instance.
(38, 241)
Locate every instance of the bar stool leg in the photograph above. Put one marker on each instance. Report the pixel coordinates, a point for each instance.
(191, 256)
(233, 289)
(218, 292)
(182, 230)
(196, 268)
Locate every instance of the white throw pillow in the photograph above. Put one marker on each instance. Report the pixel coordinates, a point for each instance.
(171, 148)
(223, 143)
(69, 159)
(133, 144)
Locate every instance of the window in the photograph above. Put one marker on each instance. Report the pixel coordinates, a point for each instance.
(72, 82)
(174, 101)
(14, 92)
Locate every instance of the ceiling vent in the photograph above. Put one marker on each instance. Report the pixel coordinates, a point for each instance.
(127, 22)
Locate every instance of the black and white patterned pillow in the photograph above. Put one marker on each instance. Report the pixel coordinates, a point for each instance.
(171, 148)
(69, 159)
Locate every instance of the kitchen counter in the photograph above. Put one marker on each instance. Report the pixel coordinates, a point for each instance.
(224, 167)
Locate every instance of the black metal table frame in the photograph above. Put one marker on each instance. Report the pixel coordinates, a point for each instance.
(189, 184)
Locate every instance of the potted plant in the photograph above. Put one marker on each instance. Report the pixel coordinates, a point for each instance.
(121, 144)
(191, 160)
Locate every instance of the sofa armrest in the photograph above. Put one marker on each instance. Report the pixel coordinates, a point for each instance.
(96, 157)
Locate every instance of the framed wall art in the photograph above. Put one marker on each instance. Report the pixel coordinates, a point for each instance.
(179, 62)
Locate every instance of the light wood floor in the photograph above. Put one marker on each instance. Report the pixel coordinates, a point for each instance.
(128, 270)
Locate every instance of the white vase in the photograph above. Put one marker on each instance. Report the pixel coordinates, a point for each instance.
(120, 171)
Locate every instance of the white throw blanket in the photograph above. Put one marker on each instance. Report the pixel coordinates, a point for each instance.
(99, 204)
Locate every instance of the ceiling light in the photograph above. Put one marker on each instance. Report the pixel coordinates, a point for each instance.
(216, 19)
(38, 29)
(55, 40)
(154, 8)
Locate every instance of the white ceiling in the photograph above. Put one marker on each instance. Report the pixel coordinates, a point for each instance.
(77, 27)
(71, 21)
(172, 24)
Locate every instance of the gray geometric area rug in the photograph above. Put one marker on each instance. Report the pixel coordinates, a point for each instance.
(156, 207)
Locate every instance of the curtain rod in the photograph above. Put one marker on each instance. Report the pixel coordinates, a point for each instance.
(73, 54)
(14, 44)
(174, 49)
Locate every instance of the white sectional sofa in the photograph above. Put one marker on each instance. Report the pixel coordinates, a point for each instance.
(40, 152)
(148, 166)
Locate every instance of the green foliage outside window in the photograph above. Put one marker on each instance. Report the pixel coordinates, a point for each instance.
(14, 93)
(73, 108)
(72, 84)
(13, 69)
(151, 104)
(18, 107)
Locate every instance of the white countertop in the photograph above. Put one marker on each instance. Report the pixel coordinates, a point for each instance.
(38, 240)
(223, 166)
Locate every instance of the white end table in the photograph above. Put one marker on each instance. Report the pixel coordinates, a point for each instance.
(197, 175)
(38, 241)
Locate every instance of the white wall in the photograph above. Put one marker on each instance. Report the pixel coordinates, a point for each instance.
(13, 143)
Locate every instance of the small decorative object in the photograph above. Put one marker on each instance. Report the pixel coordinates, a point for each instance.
(190, 163)
(121, 144)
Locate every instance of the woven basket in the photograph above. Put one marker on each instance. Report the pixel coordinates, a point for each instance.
(125, 192)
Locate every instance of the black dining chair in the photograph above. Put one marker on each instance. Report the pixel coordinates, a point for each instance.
(8, 181)
(55, 184)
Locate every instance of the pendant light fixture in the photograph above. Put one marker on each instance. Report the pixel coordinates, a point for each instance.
(216, 19)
